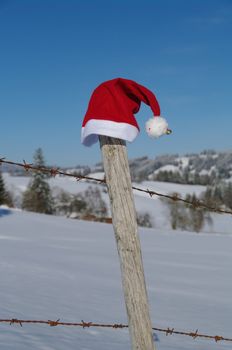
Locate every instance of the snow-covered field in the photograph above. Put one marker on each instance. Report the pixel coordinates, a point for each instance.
(53, 267)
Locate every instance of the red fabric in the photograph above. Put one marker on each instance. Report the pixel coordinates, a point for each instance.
(118, 100)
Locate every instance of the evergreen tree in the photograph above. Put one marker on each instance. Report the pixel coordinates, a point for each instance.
(95, 205)
(178, 214)
(62, 203)
(144, 219)
(186, 176)
(78, 204)
(218, 196)
(228, 195)
(187, 217)
(197, 216)
(5, 197)
(2, 191)
(37, 197)
(207, 197)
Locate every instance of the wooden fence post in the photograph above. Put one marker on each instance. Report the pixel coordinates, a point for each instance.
(118, 181)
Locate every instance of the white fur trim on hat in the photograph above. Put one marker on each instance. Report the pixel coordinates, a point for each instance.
(95, 127)
(156, 126)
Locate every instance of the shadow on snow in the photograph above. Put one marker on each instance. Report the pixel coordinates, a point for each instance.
(4, 212)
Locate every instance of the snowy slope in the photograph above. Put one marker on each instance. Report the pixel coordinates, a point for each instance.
(202, 163)
(169, 187)
(143, 202)
(52, 267)
(157, 210)
(20, 183)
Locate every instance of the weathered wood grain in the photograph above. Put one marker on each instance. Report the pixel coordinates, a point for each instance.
(118, 180)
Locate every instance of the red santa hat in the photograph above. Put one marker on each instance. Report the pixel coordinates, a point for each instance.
(111, 112)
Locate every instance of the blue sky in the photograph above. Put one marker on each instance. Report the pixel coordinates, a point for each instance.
(53, 53)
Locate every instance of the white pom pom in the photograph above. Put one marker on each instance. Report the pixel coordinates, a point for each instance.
(156, 127)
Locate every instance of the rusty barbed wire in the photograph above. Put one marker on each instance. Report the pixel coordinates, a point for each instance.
(49, 171)
(196, 204)
(83, 324)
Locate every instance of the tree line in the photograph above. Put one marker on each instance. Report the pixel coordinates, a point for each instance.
(186, 177)
(90, 204)
(38, 197)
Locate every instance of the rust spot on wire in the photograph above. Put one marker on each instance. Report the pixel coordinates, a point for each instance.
(86, 324)
(169, 331)
(26, 165)
(15, 320)
(218, 338)
(194, 335)
(54, 171)
(119, 326)
(53, 323)
(150, 193)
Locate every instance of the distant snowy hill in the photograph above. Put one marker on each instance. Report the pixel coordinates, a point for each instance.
(56, 268)
(197, 168)
(191, 168)
(194, 168)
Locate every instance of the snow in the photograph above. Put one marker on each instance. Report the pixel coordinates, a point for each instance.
(207, 172)
(99, 175)
(204, 172)
(16, 183)
(69, 184)
(184, 161)
(168, 167)
(159, 212)
(53, 267)
(169, 187)
(203, 156)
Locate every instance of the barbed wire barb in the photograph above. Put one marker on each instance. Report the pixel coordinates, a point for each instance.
(27, 166)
